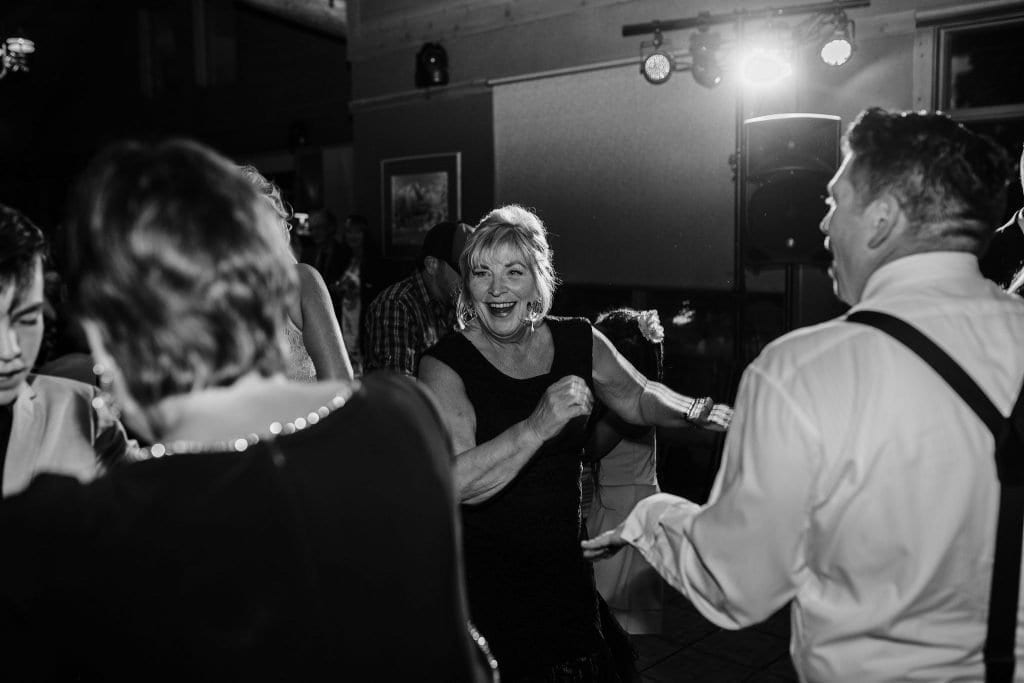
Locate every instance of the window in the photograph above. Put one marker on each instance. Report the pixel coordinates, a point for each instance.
(976, 75)
(981, 67)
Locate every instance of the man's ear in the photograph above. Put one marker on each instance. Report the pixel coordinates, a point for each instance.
(431, 264)
(884, 215)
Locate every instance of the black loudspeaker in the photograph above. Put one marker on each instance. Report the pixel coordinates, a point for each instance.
(789, 159)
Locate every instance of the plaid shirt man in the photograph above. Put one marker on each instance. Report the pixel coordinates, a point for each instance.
(403, 322)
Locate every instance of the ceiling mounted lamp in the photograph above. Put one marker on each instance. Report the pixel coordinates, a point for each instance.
(658, 65)
(14, 54)
(838, 46)
(431, 66)
(705, 67)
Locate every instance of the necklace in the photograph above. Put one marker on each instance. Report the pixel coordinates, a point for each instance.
(242, 443)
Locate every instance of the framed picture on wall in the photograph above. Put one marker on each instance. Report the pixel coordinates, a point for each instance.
(417, 193)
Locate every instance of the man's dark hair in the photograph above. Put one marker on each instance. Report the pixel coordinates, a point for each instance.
(358, 219)
(950, 182)
(21, 243)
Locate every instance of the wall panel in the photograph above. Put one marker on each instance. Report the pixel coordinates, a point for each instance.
(632, 179)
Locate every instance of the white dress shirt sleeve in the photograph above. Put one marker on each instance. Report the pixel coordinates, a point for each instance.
(739, 557)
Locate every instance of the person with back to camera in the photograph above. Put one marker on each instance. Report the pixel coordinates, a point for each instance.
(857, 484)
(315, 344)
(516, 387)
(279, 530)
(625, 471)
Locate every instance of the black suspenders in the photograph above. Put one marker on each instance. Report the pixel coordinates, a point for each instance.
(1008, 432)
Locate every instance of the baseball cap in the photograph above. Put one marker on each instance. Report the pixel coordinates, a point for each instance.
(446, 241)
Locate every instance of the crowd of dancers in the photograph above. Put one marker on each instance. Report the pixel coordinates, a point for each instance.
(233, 498)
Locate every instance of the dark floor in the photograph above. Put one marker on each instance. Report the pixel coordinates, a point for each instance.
(693, 649)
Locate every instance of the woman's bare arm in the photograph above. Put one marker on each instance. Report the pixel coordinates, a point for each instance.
(638, 400)
(321, 333)
(482, 470)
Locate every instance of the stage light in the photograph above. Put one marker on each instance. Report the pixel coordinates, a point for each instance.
(657, 66)
(705, 67)
(14, 54)
(838, 46)
(431, 66)
(762, 66)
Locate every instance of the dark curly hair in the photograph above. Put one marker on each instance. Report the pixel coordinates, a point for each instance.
(950, 182)
(21, 243)
(178, 259)
(622, 327)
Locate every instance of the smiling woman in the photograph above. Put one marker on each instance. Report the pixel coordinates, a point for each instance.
(516, 388)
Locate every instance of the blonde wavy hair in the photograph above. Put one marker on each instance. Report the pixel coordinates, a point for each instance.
(522, 231)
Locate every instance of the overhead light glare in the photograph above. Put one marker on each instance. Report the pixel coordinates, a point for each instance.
(760, 67)
(20, 46)
(14, 54)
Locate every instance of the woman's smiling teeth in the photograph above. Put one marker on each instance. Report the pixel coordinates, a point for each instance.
(501, 309)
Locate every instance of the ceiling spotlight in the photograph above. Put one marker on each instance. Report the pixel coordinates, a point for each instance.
(657, 66)
(705, 67)
(431, 66)
(838, 46)
(14, 54)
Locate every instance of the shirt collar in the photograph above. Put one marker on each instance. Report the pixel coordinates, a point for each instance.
(945, 267)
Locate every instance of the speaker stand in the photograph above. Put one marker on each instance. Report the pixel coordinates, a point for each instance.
(790, 301)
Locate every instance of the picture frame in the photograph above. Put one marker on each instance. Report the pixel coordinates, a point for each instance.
(417, 192)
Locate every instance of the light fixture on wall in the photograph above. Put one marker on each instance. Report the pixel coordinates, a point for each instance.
(14, 54)
(838, 46)
(431, 66)
(657, 66)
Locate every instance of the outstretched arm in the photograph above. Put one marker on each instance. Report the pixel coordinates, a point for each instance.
(638, 400)
(320, 331)
(482, 470)
(739, 557)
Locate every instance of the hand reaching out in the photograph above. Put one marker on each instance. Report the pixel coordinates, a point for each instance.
(719, 418)
(603, 546)
(712, 416)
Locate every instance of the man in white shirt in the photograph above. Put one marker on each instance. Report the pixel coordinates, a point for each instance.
(855, 483)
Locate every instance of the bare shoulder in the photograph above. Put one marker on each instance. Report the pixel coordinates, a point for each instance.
(452, 401)
(439, 376)
(606, 358)
(309, 277)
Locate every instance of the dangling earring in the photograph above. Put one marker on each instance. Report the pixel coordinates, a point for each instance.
(104, 401)
(533, 313)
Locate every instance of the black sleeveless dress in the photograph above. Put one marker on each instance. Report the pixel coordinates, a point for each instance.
(531, 593)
